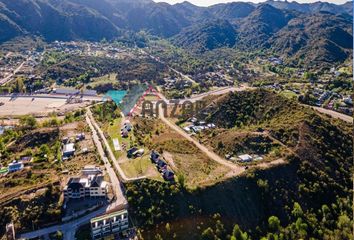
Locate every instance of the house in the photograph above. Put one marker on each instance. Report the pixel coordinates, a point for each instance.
(91, 170)
(161, 165)
(211, 125)
(154, 156)
(124, 133)
(68, 150)
(168, 175)
(4, 128)
(111, 223)
(86, 186)
(194, 120)
(187, 129)
(127, 126)
(139, 153)
(26, 159)
(15, 166)
(80, 137)
(245, 158)
(131, 151)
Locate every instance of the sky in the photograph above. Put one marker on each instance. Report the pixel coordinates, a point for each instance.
(211, 2)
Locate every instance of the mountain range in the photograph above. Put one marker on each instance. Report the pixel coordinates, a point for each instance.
(289, 28)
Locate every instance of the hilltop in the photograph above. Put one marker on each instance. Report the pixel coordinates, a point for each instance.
(316, 179)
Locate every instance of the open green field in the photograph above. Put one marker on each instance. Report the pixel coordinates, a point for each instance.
(288, 94)
(133, 168)
(109, 78)
(141, 166)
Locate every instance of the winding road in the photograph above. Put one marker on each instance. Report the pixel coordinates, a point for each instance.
(236, 170)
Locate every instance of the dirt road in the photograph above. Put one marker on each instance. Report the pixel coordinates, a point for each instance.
(98, 130)
(334, 114)
(8, 78)
(236, 170)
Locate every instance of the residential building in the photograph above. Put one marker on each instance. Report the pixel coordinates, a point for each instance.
(91, 170)
(154, 156)
(245, 158)
(80, 137)
(15, 166)
(109, 224)
(168, 175)
(68, 150)
(86, 186)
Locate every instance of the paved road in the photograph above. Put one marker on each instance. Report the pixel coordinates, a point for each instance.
(120, 198)
(69, 228)
(109, 150)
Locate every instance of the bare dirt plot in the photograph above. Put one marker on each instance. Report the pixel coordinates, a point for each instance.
(38, 106)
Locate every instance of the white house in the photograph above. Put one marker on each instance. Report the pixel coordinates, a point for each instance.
(69, 150)
(15, 166)
(245, 158)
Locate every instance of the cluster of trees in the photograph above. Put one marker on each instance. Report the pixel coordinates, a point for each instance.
(106, 112)
(312, 193)
(32, 214)
(79, 70)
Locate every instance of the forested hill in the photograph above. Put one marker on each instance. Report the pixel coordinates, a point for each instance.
(307, 198)
(288, 29)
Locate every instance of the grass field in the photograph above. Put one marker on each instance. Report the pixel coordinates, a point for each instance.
(109, 78)
(288, 94)
(132, 167)
(141, 166)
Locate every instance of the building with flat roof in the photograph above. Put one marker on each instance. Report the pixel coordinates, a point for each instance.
(15, 166)
(109, 224)
(91, 170)
(68, 150)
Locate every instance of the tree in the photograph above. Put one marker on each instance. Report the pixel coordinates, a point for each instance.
(19, 85)
(28, 121)
(181, 180)
(208, 234)
(274, 223)
(297, 210)
(237, 234)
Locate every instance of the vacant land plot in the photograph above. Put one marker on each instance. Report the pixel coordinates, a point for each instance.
(188, 162)
(38, 106)
(139, 167)
(233, 142)
(106, 79)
